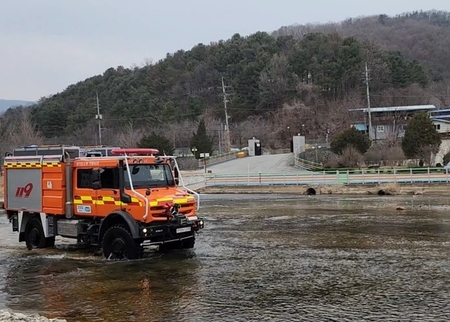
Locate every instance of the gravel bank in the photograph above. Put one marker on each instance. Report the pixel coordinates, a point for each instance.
(8, 315)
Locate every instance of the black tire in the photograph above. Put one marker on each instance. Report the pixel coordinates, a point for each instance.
(50, 242)
(118, 244)
(34, 234)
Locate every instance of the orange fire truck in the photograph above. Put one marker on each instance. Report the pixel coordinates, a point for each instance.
(119, 200)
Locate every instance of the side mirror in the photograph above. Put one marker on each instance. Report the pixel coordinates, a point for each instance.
(96, 185)
(177, 176)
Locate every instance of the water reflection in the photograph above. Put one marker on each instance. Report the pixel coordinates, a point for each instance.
(90, 290)
(279, 259)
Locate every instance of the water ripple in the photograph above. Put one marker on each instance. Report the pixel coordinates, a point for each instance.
(289, 259)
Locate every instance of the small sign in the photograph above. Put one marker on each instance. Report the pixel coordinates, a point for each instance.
(49, 185)
(84, 209)
(183, 230)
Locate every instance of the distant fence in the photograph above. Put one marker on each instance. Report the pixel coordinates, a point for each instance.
(216, 159)
(343, 177)
(307, 165)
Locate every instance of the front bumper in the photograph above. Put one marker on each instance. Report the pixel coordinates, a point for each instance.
(171, 231)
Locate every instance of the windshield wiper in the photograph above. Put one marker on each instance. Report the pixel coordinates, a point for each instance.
(148, 185)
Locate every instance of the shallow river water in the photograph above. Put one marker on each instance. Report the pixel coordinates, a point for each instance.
(260, 258)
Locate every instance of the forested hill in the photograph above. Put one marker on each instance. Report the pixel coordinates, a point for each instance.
(420, 35)
(319, 69)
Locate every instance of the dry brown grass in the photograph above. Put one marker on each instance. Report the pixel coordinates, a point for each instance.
(390, 188)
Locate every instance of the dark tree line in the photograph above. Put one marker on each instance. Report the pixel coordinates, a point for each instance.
(262, 72)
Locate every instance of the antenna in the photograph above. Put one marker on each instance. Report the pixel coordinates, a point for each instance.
(227, 128)
(99, 118)
(368, 101)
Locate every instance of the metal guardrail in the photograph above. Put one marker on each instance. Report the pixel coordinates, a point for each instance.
(216, 159)
(346, 177)
(307, 165)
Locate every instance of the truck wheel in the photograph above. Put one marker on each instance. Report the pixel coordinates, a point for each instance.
(119, 244)
(34, 234)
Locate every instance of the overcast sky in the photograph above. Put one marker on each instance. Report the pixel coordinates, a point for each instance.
(46, 45)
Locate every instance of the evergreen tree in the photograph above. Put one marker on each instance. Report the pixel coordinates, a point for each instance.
(350, 138)
(421, 138)
(201, 141)
(157, 141)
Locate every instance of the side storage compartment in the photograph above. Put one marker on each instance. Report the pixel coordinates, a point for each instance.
(23, 182)
(53, 186)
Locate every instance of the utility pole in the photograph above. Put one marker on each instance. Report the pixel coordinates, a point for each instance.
(368, 101)
(220, 138)
(227, 129)
(99, 117)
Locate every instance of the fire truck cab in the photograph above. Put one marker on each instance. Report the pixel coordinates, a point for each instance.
(119, 200)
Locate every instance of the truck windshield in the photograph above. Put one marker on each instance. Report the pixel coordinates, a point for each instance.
(149, 176)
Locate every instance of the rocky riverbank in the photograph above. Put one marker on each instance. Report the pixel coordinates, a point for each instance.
(8, 315)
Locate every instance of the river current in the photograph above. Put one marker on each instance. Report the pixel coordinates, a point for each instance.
(259, 258)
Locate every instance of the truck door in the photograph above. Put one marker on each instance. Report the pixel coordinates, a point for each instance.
(84, 196)
(108, 196)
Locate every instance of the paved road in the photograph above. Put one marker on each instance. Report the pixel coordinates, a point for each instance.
(264, 164)
(273, 163)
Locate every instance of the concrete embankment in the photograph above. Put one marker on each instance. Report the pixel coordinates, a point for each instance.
(388, 189)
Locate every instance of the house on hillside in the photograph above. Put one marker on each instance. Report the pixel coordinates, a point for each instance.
(441, 121)
(388, 123)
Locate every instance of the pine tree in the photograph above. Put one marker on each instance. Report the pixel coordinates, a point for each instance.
(421, 138)
(201, 141)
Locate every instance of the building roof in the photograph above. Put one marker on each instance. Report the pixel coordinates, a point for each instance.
(440, 113)
(410, 108)
(440, 110)
(437, 119)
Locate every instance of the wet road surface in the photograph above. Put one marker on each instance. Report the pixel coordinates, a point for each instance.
(260, 258)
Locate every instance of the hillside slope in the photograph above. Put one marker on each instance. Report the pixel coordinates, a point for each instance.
(422, 36)
(300, 79)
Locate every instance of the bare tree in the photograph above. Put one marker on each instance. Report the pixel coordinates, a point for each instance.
(147, 62)
(426, 153)
(254, 126)
(22, 132)
(129, 136)
(351, 158)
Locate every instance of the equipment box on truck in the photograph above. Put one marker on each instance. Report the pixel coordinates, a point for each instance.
(121, 202)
